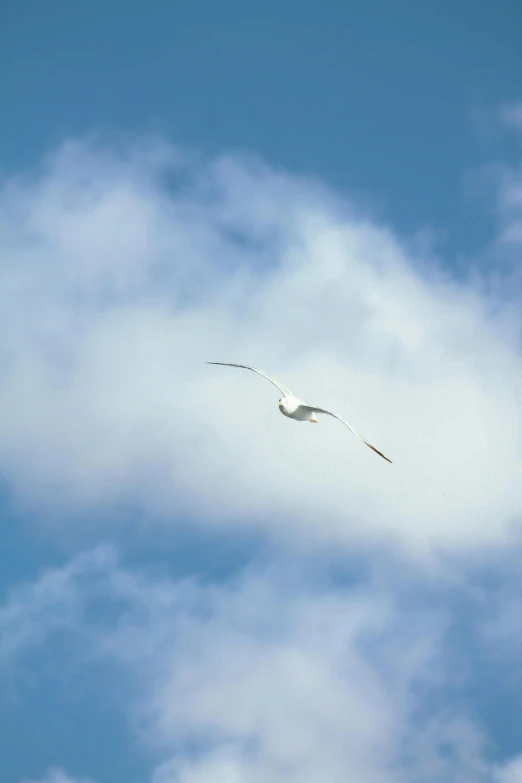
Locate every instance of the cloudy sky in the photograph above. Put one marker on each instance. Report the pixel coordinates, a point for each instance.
(194, 589)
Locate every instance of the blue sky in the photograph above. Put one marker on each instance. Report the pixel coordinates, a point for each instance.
(374, 97)
(192, 588)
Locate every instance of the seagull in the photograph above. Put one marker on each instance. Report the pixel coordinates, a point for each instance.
(294, 408)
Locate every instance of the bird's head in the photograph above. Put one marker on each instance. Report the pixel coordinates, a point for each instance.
(282, 403)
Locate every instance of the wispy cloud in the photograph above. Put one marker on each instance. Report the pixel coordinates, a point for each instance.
(279, 676)
(56, 775)
(511, 772)
(511, 115)
(53, 602)
(123, 271)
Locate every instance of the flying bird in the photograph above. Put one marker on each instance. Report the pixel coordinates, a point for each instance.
(294, 408)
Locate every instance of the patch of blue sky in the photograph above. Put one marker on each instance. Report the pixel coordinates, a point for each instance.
(376, 98)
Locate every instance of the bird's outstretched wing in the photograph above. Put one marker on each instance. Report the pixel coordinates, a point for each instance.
(273, 381)
(357, 434)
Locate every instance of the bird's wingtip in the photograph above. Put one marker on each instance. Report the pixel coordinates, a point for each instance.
(378, 452)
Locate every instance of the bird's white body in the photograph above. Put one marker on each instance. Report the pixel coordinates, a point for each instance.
(294, 408)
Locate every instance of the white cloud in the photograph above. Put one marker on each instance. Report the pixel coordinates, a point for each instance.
(275, 677)
(122, 272)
